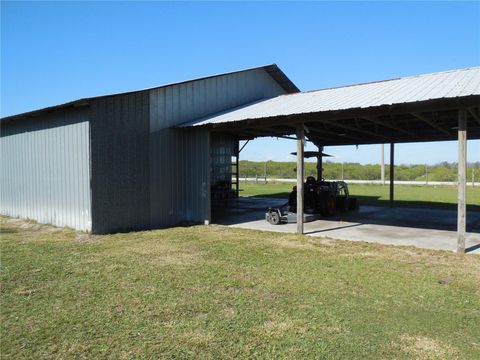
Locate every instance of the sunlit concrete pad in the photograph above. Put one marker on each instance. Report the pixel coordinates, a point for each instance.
(420, 227)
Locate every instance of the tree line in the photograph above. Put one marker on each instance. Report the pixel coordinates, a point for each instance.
(354, 171)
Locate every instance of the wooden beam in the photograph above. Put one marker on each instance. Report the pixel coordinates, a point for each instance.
(265, 133)
(279, 129)
(474, 114)
(300, 175)
(320, 164)
(431, 123)
(390, 126)
(462, 183)
(354, 128)
(240, 150)
(316, 130)
(382, 164)
(392, 172)
(321, 136)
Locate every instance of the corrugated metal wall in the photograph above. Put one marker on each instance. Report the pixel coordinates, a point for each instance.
(120, 163)
(179, 170)
(45, 169)
(180, 159)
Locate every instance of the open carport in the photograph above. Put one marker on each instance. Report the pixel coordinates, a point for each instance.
(433, 107)
(420, 227)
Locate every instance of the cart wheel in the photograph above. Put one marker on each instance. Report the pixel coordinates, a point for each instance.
(274, 218)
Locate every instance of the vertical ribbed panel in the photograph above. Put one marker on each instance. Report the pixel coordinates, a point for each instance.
(180, 159)
(120, 157)
(45, 169)
(179, 190)
(177, 104)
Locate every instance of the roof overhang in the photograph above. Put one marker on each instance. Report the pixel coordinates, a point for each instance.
(414, 109)
(417, 122)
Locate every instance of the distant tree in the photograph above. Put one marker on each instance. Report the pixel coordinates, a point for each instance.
(443, 171)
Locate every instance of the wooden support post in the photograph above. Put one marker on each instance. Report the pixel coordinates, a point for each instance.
(300, 175)
(392, 172)
(382, 165)
(320, 164)
(462, 165)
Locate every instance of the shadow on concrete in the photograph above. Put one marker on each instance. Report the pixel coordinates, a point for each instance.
(376, 201)
(332, 228)
(248, 209)
(472, 248)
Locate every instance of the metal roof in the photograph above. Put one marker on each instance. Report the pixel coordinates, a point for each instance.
(272, 69)
(412, 89)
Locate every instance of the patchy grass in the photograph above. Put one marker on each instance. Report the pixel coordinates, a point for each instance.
(371, 194)
(216, 292)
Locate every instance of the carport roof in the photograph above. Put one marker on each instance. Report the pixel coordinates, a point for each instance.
(414, 108)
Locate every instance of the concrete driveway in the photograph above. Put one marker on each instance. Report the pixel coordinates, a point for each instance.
(420, 227)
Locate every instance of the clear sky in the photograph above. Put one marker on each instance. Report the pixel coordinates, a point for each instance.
(56, 52)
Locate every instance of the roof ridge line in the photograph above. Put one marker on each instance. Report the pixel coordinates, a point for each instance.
(386, 80)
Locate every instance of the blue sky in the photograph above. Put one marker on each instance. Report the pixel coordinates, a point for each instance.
(56, 52)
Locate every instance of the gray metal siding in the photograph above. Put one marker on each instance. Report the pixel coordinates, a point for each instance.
(120, 161)
(180, 159)
(45, 169)
(177, 104)
(179, 177)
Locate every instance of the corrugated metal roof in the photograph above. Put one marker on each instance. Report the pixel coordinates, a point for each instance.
(273, 70)
(447, 84)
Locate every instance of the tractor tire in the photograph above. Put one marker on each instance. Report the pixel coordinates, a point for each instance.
(343, 203)
(353, 204)
(328, 205)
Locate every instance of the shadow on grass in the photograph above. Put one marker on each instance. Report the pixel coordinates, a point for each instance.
(376, 201)
(8, 231)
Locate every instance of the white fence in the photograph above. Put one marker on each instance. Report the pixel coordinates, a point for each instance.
(377, 182)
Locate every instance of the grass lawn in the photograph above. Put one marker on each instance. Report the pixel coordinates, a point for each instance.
(216, 292)
(405, 195)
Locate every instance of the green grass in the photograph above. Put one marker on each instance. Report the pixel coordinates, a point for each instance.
(405, 195)
(216, 292)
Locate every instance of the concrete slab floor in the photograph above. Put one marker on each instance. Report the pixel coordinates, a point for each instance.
(420, 227)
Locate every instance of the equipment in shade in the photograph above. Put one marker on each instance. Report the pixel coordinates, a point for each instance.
(310, 154)
(321, 198)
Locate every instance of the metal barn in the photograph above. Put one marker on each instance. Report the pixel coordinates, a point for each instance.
(118, 162)
(161, 157)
